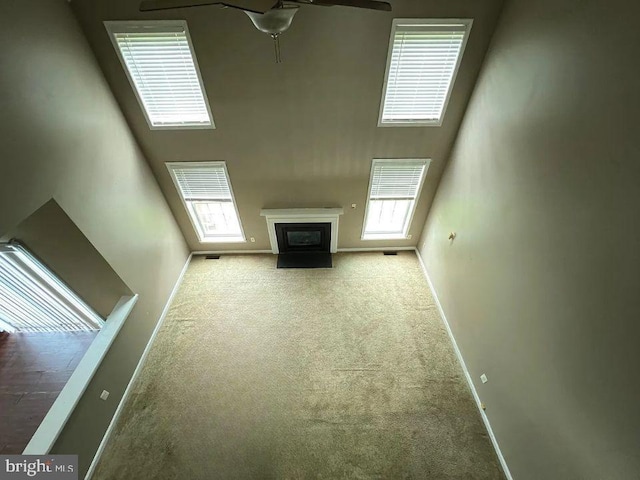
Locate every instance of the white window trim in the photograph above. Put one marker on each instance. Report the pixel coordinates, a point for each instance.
(468, 22)
(405, 233)
(134, 26)
(201, 238)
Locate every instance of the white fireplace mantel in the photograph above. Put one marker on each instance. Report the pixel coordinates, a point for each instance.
(302, 215)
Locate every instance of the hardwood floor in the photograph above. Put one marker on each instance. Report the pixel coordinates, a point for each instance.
(34, 367)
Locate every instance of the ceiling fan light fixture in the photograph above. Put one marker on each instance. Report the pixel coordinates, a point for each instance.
(274, 21)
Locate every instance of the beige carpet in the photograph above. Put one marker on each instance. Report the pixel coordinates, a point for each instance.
(343, 373)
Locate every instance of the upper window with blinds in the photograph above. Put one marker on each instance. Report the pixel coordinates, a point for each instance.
(33, 299)
(206, 193)
(423, 59)
(162, 68)
(393, 191)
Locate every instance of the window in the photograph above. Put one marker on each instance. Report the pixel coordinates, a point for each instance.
(393, 191)
(33, 299)
(422, 63)
(206, 193)
(162, 68)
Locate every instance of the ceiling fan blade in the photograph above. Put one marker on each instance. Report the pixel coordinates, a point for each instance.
(257, 6)
(369, 4)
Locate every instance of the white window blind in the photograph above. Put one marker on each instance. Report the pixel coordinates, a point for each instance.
(393, 191)
(33, 299)
(206, 193)
(423, 59)
(162, 68)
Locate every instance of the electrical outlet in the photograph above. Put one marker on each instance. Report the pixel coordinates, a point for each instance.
(353, 205)
(253, 240)
(484, 379)
(104, 395)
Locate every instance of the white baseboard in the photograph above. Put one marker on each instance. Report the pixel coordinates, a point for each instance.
(136, 372)
(227, 252)
(485, 419)
(345, 250)
(374, 249)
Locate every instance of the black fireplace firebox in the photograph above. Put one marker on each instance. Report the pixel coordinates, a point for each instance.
(303, 237)
(304, 245)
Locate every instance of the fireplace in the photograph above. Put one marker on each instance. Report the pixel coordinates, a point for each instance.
(311, 216)
(304, 245)
(303, 237)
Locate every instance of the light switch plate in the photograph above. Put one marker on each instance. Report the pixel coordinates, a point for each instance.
(104, 395)
(484, 379)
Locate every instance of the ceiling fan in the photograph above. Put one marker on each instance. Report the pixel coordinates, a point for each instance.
(268, 16)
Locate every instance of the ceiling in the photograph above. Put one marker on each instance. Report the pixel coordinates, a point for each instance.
(301, 133)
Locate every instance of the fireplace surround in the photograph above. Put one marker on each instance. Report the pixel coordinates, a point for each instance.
(306, 216)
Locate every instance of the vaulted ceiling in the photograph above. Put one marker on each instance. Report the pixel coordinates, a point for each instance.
(301, 133)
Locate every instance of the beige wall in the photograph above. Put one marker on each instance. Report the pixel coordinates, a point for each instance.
(64, 137)
(541, 286)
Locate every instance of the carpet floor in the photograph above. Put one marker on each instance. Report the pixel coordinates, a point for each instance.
(265, 373)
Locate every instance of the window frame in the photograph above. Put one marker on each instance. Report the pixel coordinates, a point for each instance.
(404, 235)
(193, 217)
(468, 22)
(133, 26)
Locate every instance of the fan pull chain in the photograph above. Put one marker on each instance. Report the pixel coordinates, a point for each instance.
(276, 46)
